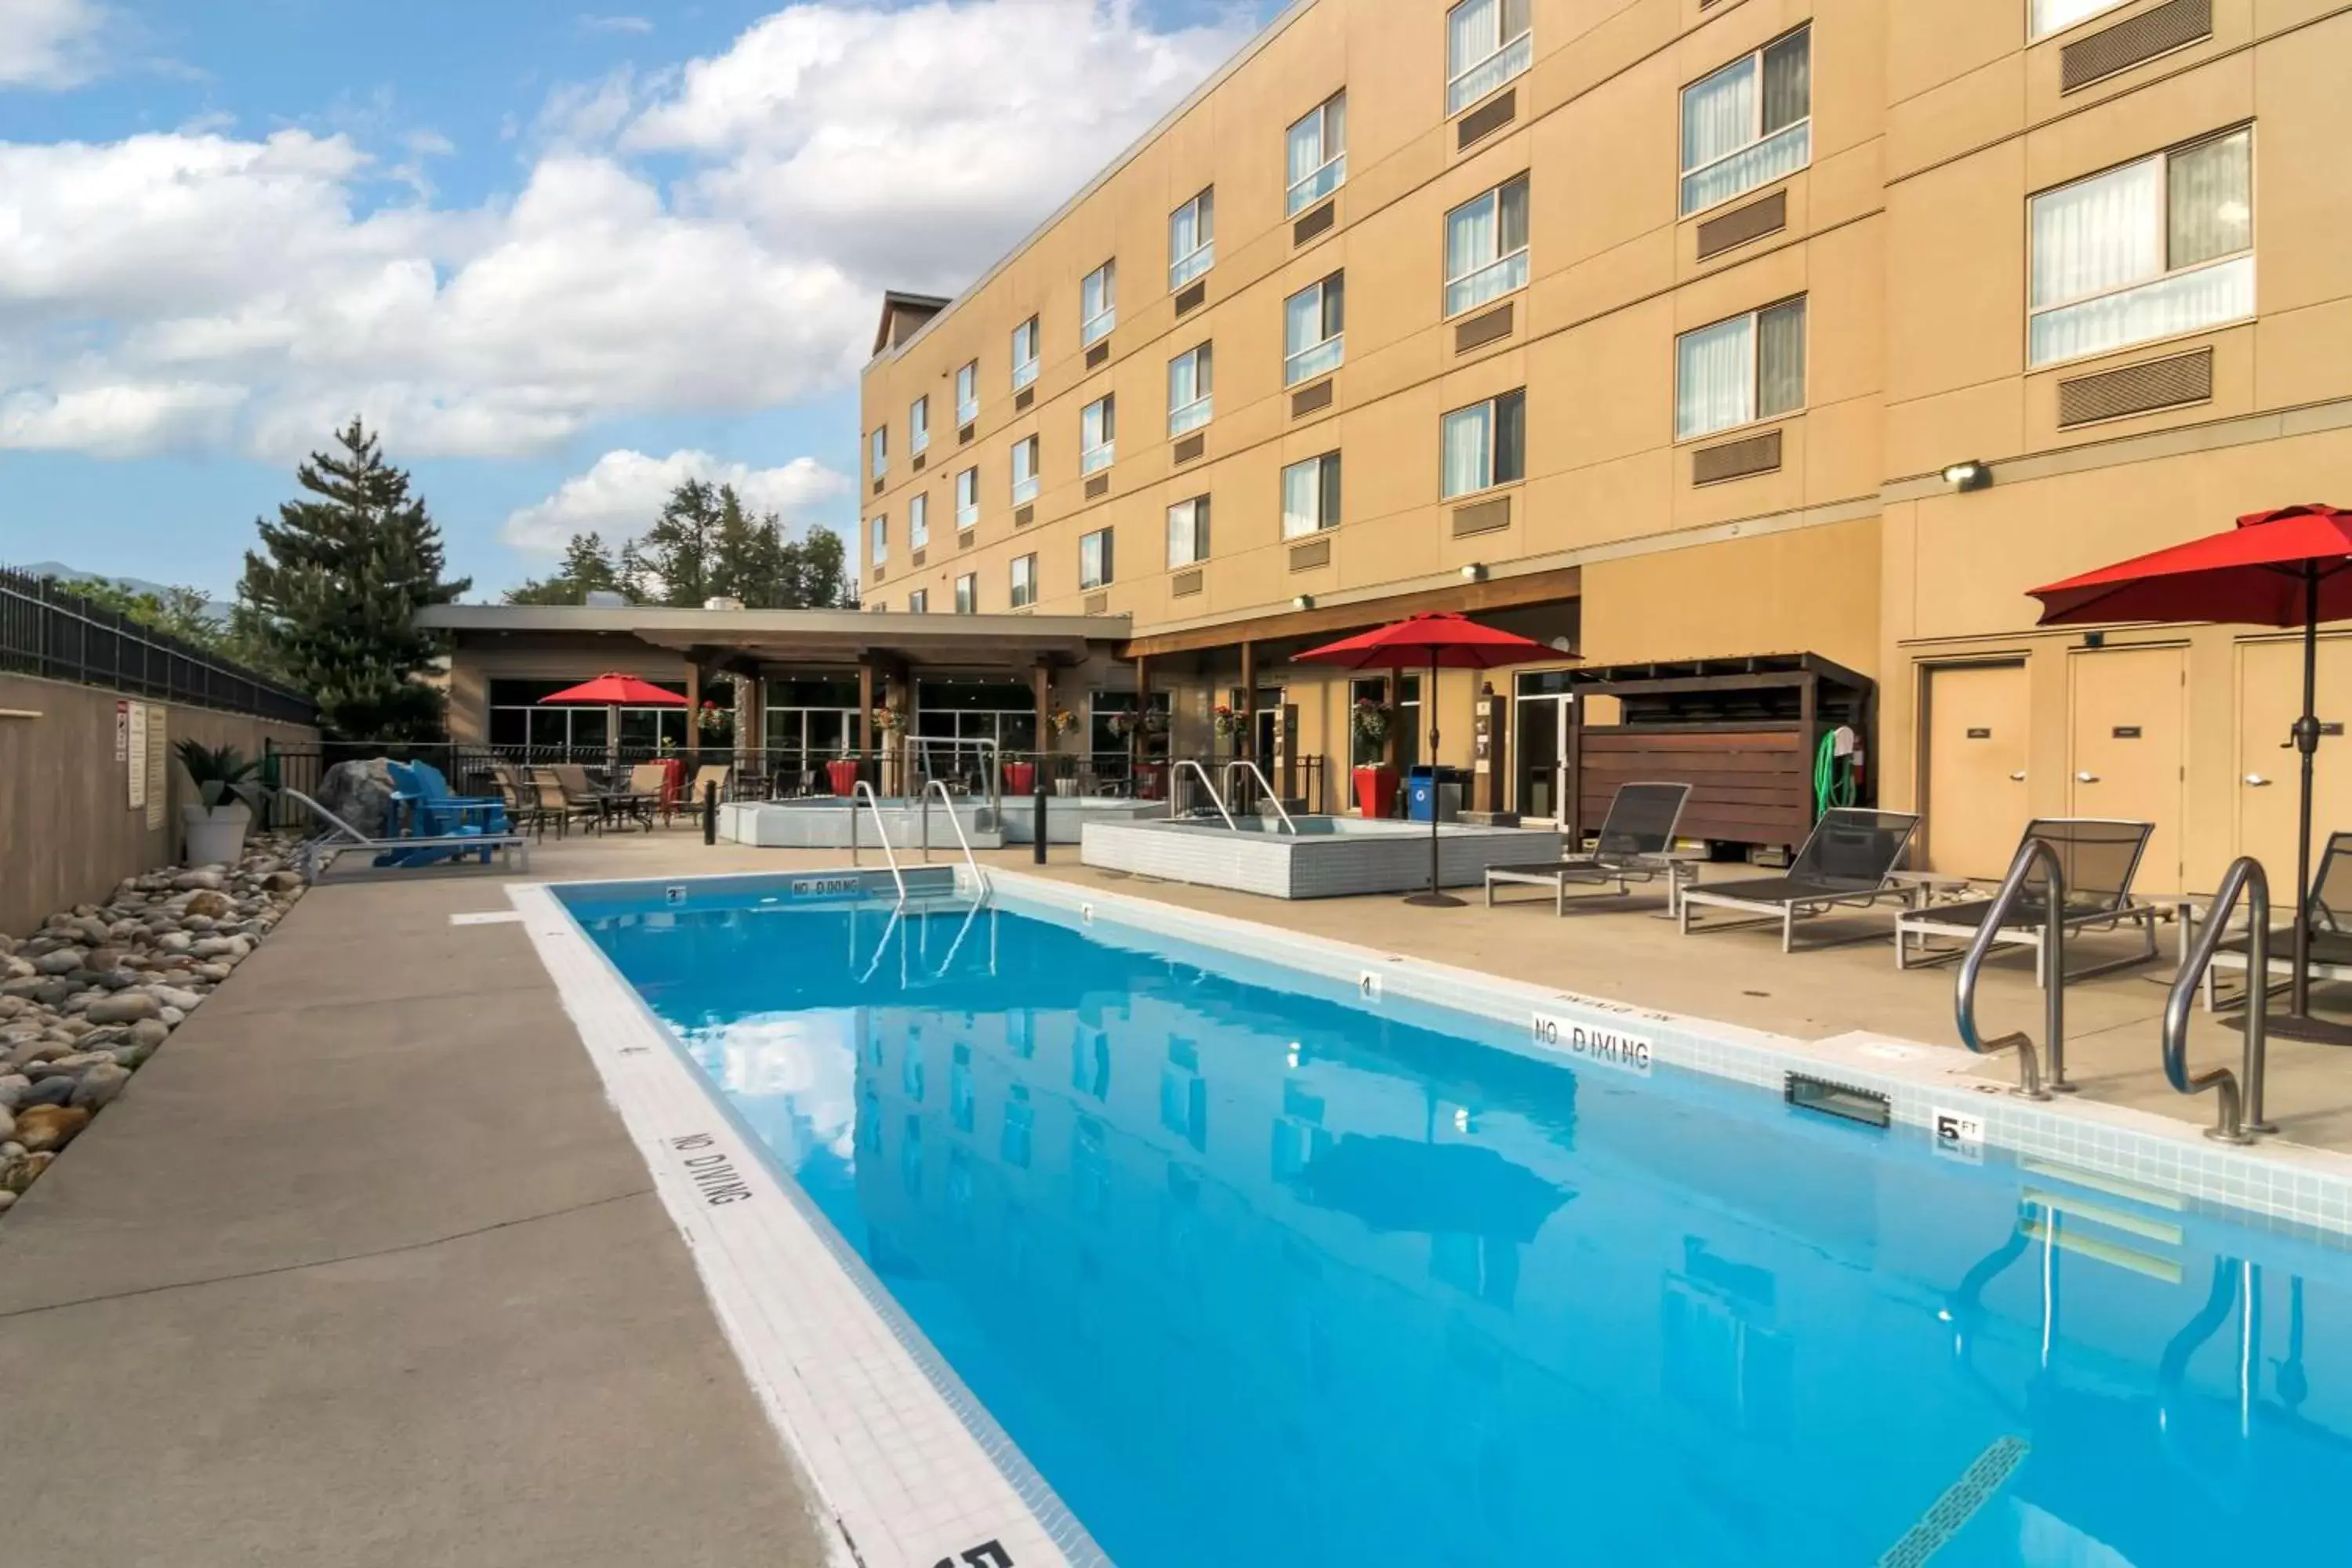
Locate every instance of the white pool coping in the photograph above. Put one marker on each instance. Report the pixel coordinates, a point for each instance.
(912, 1470)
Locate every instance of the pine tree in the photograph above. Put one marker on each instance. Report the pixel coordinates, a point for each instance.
(333, 593)
(671, 563)
(588, 568)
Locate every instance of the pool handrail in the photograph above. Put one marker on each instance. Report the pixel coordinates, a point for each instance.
(1263, 783)
(920, 748)
(2054, 947)
(979, 877)
(1206, 783)
(865, 792)
(2239, 1113)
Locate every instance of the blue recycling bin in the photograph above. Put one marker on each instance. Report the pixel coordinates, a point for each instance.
(1437, 789)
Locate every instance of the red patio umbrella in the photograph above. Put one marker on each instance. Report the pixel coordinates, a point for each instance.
(1443, 640)
(615, 691)
(2290, 567)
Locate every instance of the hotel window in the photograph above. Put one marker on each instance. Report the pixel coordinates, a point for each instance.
(1025, 581)
(968, 392)
(1025, 353)
(1486, 444)
(1094, 558)
(1024, 471)
(2156, 248)
(1310, 496)
(1750, 367)
(967, 594)
(918, 520)
(1188, 531)
(1313, 322)
(1098, 304)
(1487, 247)
(1188, 391)
(881, 461)
(1097, 428)
(967, 498)
(918, 603)
(1486, 44)
(919, 426)
(881, 538)
(1748, 123)
(1316, 153)
(1191, 239)
(2049, 17)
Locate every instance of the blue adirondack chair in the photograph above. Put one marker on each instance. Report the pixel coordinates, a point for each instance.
(423, 807)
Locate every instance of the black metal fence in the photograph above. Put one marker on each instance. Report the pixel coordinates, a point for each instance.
(50, 631)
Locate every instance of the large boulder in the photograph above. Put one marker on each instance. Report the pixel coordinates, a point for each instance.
(360, 793)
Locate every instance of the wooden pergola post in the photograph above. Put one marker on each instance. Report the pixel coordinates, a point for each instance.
(1245, 735)
(864, 713)
(1135, 731)
(1041, 679)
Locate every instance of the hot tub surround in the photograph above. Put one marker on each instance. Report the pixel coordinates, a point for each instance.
(1327, 857)
(822, 822)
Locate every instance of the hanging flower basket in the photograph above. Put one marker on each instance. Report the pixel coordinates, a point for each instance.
(1121, 724)
(1227, 722)
(1373, 719)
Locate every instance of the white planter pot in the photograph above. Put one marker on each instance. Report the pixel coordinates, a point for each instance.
(215, 837)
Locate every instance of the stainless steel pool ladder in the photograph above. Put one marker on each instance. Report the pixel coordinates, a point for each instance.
(865, 792)
(1178, 771)
(1245, 765)
(979, 877)
(2239, 1113)
(2030, 1082)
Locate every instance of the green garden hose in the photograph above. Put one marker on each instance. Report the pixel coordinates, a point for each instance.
(1832, 776)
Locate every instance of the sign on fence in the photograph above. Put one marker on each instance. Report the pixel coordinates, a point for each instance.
(159, 779)
(122, 731)
(134, 729)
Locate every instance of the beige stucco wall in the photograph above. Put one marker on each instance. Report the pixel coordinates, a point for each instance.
(68, 833)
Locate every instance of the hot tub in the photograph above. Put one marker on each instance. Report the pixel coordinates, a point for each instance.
(1329, 857)
(822, 822)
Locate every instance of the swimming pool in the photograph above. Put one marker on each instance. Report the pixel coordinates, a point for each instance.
(1262, 1263)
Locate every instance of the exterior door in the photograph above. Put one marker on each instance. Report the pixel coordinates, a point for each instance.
(1976, 806)
(2129, 751)
(1540, 757)
(2269, 776)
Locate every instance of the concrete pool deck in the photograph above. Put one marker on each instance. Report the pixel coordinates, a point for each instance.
(364, 1269)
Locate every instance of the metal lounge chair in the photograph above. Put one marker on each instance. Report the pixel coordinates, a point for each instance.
(1636, 838)
(1849, 858)
(2331, 927)
(336, 836)
(2099, 857)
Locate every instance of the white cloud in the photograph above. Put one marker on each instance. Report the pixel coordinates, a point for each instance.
(830, 152)
(616, 24)
(49, 43)
(624, 492)
(120, 419)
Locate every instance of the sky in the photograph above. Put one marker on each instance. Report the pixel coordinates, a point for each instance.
(561, 254)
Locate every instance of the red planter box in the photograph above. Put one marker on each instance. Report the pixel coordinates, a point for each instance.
(1376, 790)
(843, 773)
(1020, 778)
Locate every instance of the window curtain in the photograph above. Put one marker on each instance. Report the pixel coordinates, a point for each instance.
(1470, 35)
(1180, 534)
(1467, 441)
(2055, 15)
(881, 538)
(1712, 381)
(1300, 513)
(2099, 234)
(1470, 235)
(918, 522)
(1306, 147)
(1719, 115)
(1185, 234)
(2210, 200)
(1780, 359)
(1302, 321)
(1788, 81)
(1510, 438)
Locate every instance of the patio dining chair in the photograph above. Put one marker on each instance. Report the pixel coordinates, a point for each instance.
(557, 802)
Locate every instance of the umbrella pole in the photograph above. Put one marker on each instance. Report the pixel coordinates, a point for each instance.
(2297, 1024)
(1436, 896)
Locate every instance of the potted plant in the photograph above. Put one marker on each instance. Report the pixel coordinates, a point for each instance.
(229, 787)
(1225, 721)
(1376, 782)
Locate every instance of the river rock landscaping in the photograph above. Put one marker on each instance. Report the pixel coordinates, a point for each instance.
(87, 998)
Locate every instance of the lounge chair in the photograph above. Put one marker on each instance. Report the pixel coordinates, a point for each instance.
(337, 836)
(434, 810)
(1634, 839)
(2331, 926)
(1848, 859)
(2099, 857)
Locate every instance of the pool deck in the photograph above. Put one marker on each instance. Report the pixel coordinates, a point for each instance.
(364, 1269)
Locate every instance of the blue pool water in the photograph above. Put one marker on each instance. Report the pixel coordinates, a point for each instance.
(1253, 1274)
